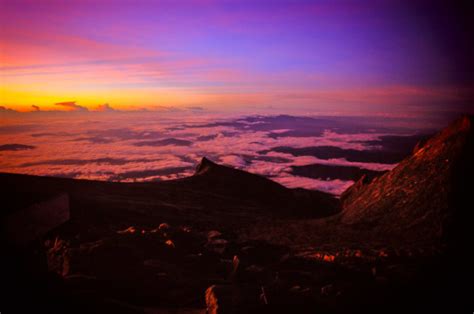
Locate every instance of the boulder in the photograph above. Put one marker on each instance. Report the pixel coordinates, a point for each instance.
(213, 234)
(221, 299)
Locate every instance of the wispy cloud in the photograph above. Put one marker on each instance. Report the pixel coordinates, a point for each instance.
(104, 108)
(72, 105)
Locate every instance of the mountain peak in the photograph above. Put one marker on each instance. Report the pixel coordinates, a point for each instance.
(205, 165)
(227, 181)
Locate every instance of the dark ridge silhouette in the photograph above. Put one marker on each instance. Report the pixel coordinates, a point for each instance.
(241, 184)
(213, 190)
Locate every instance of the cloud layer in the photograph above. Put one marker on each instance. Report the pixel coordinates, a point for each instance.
(327, 153)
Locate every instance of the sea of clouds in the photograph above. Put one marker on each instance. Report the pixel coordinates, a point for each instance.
(150, 146)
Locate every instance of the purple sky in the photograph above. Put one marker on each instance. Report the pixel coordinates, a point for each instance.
(369, 57)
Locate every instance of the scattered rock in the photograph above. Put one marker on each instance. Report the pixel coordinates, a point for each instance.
(254, 269)
(128, 230)
(263, 296)
(217, 245)
(295, 289)
(328, 290)
(220, 299)
(235, 268)
(170, 243)
(58, 257)
(186, 229)
(164, 226)
(213, 234)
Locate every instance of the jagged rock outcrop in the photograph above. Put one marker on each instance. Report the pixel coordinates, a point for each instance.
(354, 189)
(425, 196)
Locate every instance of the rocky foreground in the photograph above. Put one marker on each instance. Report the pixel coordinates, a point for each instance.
(226, 241)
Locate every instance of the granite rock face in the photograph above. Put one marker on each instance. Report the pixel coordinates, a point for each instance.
(425, 195)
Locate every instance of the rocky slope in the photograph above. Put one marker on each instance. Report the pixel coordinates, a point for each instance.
(425, 195)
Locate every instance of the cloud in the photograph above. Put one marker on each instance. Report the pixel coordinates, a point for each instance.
(15, 147)
(6, 110)
(333, 152)
(234, 161)
(107, 135)
(48, 134)
(72, 105)
(166, 108)
(80, 162)
(334, 162)
(150, 174)
(104, 108)
(195, 108)
(94, 139)
(35, 108)
(204, 138)
(335, 187)
(136, 146)
(165, 142)
(14, 128)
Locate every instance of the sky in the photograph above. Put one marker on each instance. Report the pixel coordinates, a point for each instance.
(320, 57)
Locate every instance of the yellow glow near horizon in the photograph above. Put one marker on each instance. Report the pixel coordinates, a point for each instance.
(22, 99)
